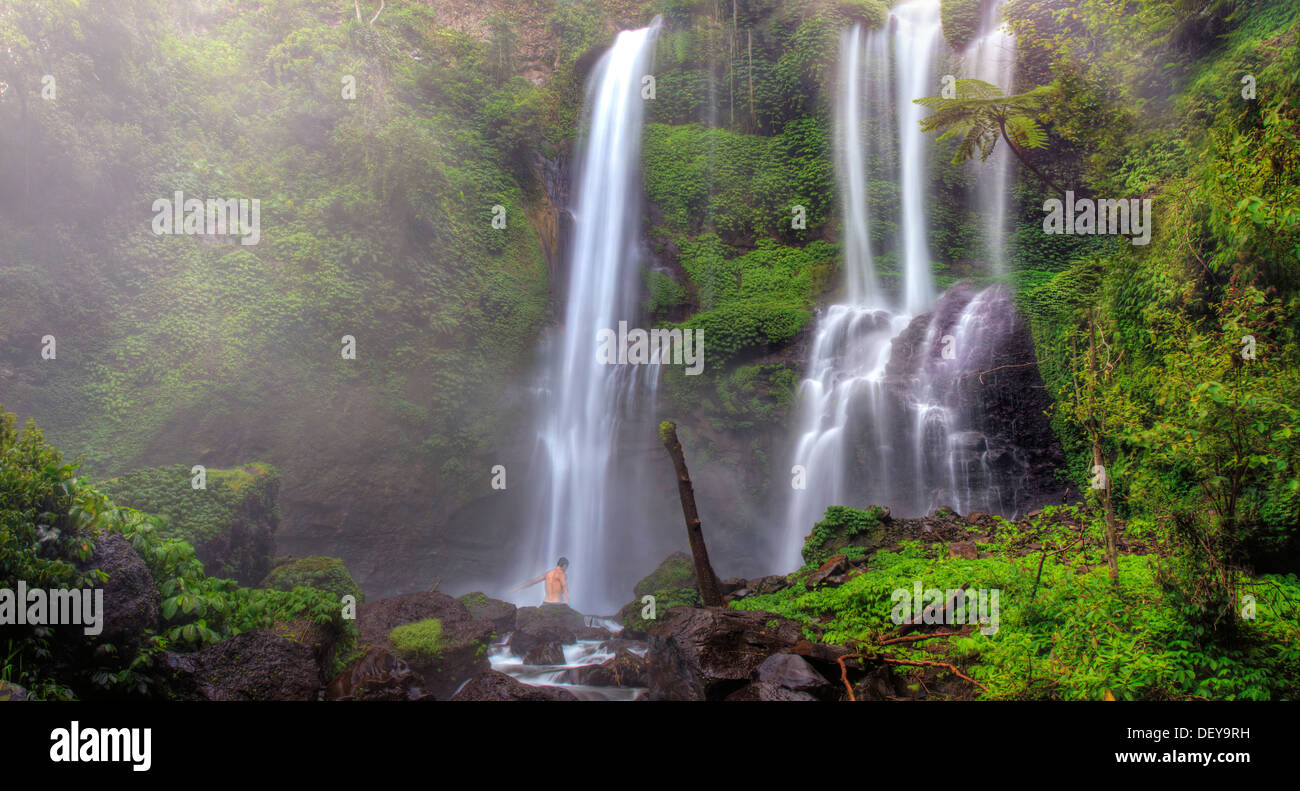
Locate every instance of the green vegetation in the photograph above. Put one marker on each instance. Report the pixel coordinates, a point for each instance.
(230, 522)
(419, 642)
(843, 529)
(1069, 635)
(321, 573)
(50, 522)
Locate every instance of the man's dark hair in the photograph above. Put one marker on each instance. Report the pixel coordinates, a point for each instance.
(562, 562)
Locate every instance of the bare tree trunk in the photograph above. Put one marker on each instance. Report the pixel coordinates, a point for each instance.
(704, 575)
(1095, 434)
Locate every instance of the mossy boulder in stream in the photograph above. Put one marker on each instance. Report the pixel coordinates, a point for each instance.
(322, 573)
(445, 655)
(502, 614)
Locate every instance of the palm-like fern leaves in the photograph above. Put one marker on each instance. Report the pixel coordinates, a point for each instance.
(980, 112)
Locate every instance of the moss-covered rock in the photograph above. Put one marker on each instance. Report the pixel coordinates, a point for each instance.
(842, 530)
(677, 571)
(323, 573)
(636, 624)
(502, 614)
(231, 522)
(420, 642)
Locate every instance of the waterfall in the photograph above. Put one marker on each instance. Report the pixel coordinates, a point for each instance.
(585, 403)
(890, 412)
(918, 36)
(991, 57)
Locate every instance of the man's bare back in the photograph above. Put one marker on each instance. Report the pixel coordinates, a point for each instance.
(557, 583)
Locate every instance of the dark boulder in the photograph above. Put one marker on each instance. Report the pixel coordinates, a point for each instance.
(550, 623)
(260, 665)
(462, 654)
(708, 653)
(377, 675)
(130, 612)
(834, 567)
(762, 690)
(483, 608)
(625, 669)
(793, 672)
(546, 654)
(376, 619)
(494, 685)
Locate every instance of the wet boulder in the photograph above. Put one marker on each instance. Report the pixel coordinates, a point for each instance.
(502, 614)
(792, 672)
(550, 623)
(494, 685)
(762, 690)
(259, 665)
(624, 669)
(547, 654)
(379, 674)
(708, 653)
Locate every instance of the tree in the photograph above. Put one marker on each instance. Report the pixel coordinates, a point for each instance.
(709, 589)
(982, 113)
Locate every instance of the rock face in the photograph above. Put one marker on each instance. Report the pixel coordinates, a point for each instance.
(708, 653)
(378, 675)
(494, 685)
(258, 665)
(462, 648)
(231, 523)
(974, 358)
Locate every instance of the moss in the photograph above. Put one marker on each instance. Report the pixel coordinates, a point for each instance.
(323, 573)
(842, 527)
(665, 599)
(420, 642)
(677, 571)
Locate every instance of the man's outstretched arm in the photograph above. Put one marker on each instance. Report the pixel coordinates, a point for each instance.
(523, 585)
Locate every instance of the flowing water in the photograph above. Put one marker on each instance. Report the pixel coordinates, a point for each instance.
(584, 403)
(889, 413)
(991, 57)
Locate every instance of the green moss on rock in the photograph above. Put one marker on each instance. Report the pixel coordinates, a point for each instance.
(677, 571)
(323, 573)
(420, 642)
(841, 528)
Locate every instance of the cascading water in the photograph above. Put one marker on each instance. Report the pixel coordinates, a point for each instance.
(991, 57)
(890, 412)
(584, 401)
(916, 41)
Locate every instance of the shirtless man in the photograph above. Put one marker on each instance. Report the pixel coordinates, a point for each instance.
(557, 583)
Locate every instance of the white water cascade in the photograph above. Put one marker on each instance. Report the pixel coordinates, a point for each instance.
(991, 57)
(889, 413)
(583, 401)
